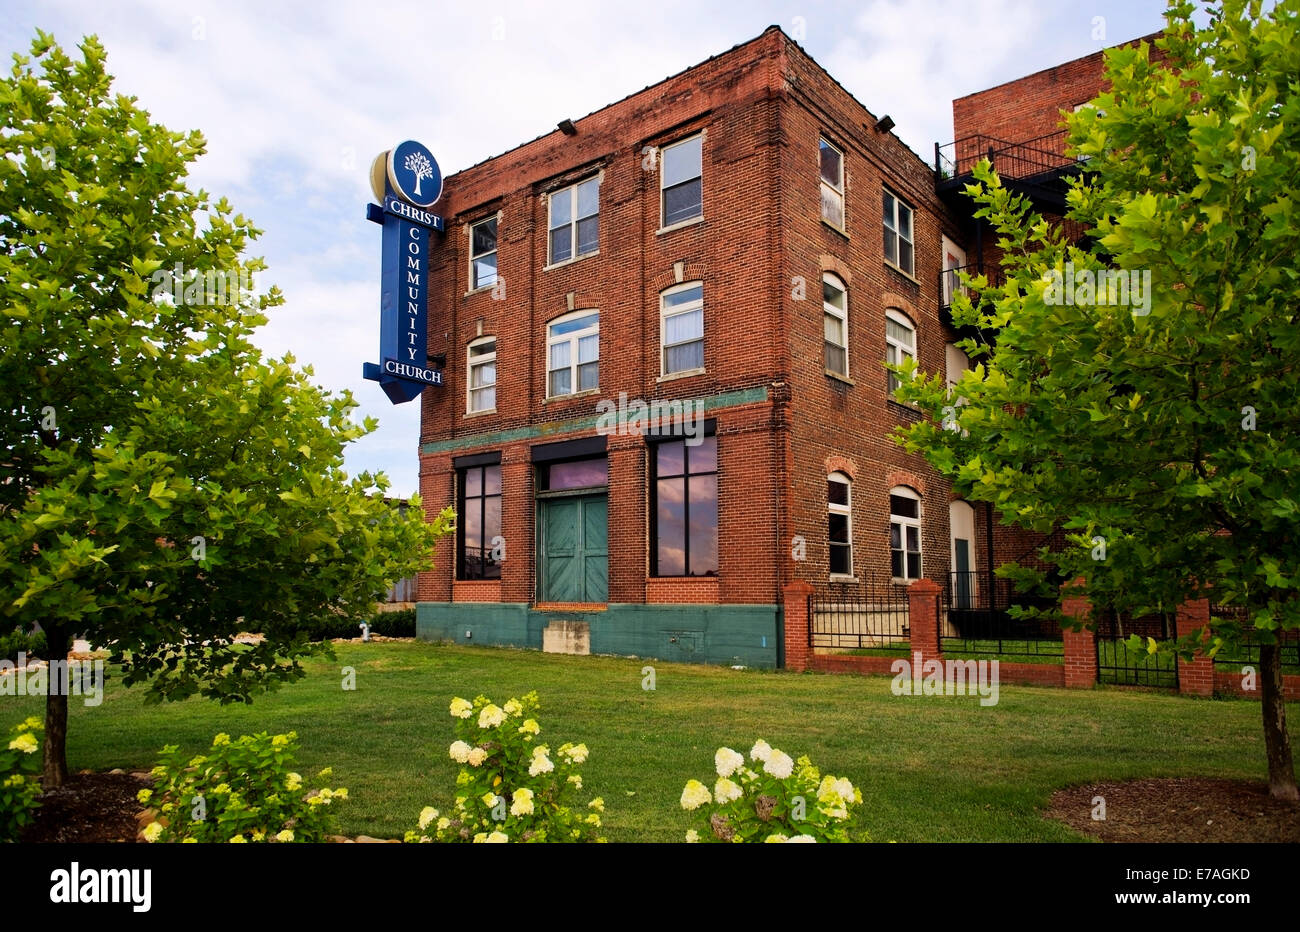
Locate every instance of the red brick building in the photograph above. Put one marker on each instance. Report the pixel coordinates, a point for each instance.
(743, 242)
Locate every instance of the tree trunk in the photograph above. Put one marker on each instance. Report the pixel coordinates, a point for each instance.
(1277, 744)
(56, 713)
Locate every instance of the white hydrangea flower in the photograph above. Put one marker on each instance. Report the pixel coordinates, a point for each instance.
(803, 840)
(692, 837)
(475, 757)
(523, 802)
(459, 751)
(491, 716)
(461, 708)
(775, 839)
(727, 761)
(779, 764)
(695, 795)
(540, 764)
(724, 791)
(760, 751)
(427, 815)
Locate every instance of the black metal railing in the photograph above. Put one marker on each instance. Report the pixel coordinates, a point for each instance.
(976, 618)
(1027, 160)
(1245, 652)
(1120, 665)
(871, 614)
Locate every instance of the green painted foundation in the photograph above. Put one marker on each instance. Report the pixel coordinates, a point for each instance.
(747, 635)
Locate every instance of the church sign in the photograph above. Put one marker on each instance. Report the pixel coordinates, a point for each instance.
(407, 181)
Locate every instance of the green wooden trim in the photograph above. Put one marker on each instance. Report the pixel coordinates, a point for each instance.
(741, 396)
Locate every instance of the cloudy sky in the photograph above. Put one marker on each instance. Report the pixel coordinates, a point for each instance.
(296, 98)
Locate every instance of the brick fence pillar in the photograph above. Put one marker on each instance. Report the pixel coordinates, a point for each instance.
(923, 617)
(1080, 647)
(798, 648)
(1195, 678)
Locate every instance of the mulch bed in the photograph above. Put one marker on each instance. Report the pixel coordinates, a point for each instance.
(89, 807)
(102, 807)
(1183, 809)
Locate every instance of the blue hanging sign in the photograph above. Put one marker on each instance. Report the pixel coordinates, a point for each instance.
(407, 180)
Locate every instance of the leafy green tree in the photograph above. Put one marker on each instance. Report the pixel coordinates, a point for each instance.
(164, 487)
(1167, 429)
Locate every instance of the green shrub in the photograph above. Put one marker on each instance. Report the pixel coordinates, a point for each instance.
(509, 787)
(240, 791)
(783, 801)
(19, 641)
(20, 782)
(400, 624)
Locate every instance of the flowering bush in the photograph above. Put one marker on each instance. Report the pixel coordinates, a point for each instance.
(20, 782)
(240, 791)
(510, 786)
(783, 800)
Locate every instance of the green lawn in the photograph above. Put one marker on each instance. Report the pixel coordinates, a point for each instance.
(930, 768)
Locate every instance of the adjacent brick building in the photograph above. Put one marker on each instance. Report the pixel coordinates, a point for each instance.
(743, 240)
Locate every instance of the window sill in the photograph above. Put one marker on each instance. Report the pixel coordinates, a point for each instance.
(840, 578)
(911, 278)
(582, 394)
(907, 411)
(563, 262)
(480, 289)
(677, 226)
(900, 581)
(844, 233)
(483, 413)
(684, 374)
(839, 377)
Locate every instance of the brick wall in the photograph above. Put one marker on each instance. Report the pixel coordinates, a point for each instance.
(847, 425)
(1029, 107)
(761, 108)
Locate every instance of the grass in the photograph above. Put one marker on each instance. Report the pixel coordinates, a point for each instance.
(930, 768)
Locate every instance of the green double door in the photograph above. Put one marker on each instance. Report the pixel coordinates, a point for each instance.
(573, 564)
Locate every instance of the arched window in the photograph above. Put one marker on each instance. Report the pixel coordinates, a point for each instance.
(904, 533)
(835, 317)
(573, 353)
(900, 342)
(481, 364)
(839, 507)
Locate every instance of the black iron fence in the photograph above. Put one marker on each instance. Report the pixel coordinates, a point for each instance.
(976, 618)
(871, 614)
(1245, 652)
(1120, 665)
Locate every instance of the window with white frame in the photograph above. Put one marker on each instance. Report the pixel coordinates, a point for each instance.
(839, 507)
(574, 213)
(832, 174)
(483, 253)
(898, 234)
(681, 327)
(573, 353)
(835, 317)
(904, 533)
(900, 343)
(680, 182)
(481, 364)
